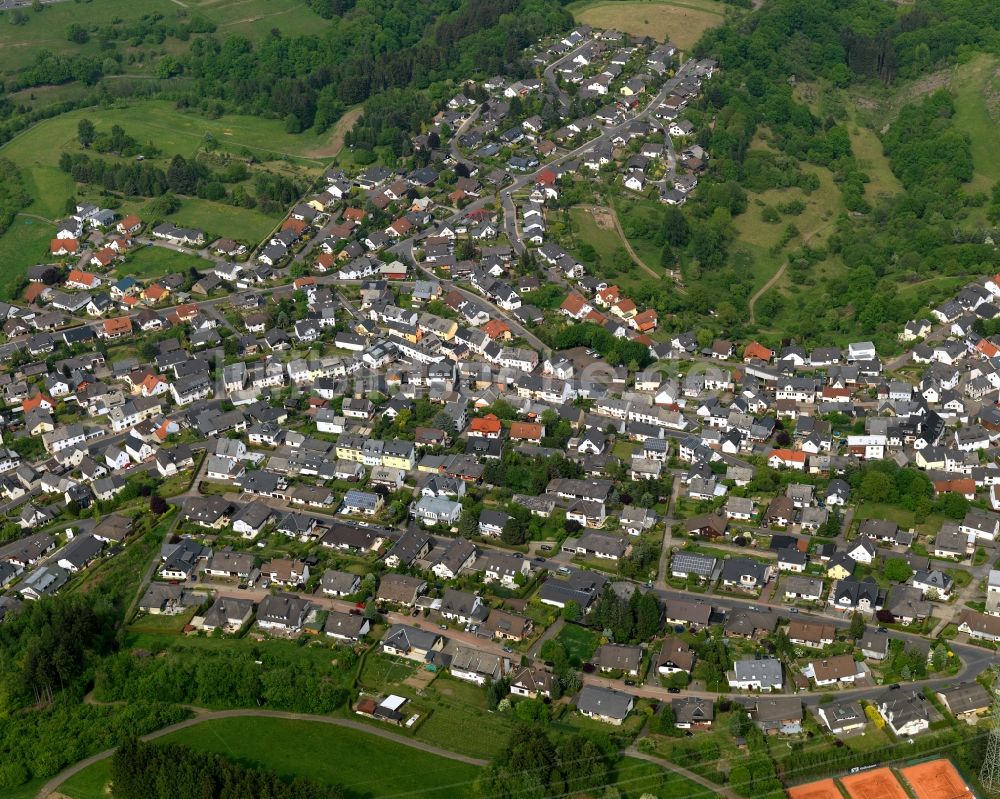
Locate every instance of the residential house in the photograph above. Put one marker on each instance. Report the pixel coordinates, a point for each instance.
(604, 704)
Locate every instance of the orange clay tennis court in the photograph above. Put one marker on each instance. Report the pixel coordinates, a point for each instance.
(878, 784)
(821, 789)
(937, 779)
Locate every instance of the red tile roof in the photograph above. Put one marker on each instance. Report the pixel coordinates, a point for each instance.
(573, 304)
(755, 350)
(120, 325)
(526, 430)
(788, 455)
(485, 424)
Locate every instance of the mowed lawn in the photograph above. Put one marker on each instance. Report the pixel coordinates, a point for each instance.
(366, 765)
(156, 261)
(680, 21)
(227, 221)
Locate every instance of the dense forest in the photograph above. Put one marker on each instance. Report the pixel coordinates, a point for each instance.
(48, 654)
(308, 80)
(532, 764)
(224, 679)
(13, 195)
(50, 646)
(169, 771)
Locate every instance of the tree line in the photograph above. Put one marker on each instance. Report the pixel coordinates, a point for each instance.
(616, 351)
(46, 740)
(223, 680)
(521, 474)
(13, 195)
(532, 766)
(185, 176)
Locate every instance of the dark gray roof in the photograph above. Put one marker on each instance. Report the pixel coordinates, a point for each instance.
(404, 637)
(604, 702)
(81, 550)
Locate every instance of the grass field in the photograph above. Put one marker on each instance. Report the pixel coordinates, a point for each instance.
(26, 242)
(219, 219)
(27, 791)
(335, 136)
(356, 761)
(155, 261)
(37, 153)
(814, 223)
(867, 150)
(932, 290)
(972, 84)
(46, 30)
(975, 87)
(365, 765)
(91, 783)
(256, 18)
(598, 231)
(820, 211)
(174, 132)
(634, 777)
(680, 21)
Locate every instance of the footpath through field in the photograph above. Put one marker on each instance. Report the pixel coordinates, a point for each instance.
(49, 788)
